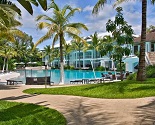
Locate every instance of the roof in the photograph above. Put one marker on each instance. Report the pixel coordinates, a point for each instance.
(149, 37)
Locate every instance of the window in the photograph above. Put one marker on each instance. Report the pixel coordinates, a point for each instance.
(81, 55)
(135, 49)
(88, 55)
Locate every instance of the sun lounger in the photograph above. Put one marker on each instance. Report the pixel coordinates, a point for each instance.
(76, 82)
(13, 82)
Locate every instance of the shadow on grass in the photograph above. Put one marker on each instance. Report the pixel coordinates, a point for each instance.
(29, 114)
(18, 97)
(146, 87)
(146, 114)
(19, 111)
(121, 87)
(115, 86)
(94, 86)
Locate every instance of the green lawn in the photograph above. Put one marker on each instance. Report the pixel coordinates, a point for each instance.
(13, 113)
(125, 89)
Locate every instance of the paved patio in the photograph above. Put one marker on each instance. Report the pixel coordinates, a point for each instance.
(88, 111)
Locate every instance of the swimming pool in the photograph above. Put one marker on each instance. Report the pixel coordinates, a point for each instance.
(55, 74)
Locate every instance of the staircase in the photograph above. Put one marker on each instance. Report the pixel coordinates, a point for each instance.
(150, 58)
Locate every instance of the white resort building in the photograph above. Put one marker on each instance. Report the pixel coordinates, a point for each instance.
(88, 58)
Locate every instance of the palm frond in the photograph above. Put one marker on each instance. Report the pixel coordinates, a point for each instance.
(53, 5)
(77, 25)
(153, 2)
(42, 25)
(76, 37)
(118, 2)
(71, 13)
(11, 7)
(56, 37)
(43, 38)
(65, 8)
(72, 30)
(45, 17)
(99, 5)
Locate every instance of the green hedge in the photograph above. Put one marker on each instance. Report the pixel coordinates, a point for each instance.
(100, 68)
(69, 67)
(150, 73)
(132, 76)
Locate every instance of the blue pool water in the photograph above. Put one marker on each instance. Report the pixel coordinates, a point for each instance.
(55, 74)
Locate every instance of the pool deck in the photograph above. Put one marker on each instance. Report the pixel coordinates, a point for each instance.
(88, 111)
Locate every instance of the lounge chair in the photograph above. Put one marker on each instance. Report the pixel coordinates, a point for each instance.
(106, 77)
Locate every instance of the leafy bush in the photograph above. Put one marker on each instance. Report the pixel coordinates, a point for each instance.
(72, 67)
(11, 65)
(132, 76)
(100, 68)
(66, 67)
(150, 71)
(69, 67)
(118, 67)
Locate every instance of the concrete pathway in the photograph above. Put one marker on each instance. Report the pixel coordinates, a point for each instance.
(89, 111)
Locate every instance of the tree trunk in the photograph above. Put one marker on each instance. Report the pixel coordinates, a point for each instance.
(141, 75)
(121, 74)
(79, 60)
(7, 63)
(96, 59)
(61, 61)
(4, 64)
(68, 60)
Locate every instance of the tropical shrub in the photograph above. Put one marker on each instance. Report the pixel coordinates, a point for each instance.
(132, 76)
(100, 68)
(69, 67)
(118, 67)
(72, 67)
(11, 64)
(150, 71)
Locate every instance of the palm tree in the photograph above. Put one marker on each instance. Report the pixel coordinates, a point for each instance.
(67, 49)
(48, 52)
(78, 45)
(94, 45)
(141, 75)
(106, 46)
(27, 4)
(55, 55)
(7, 52)
(150, 28)
(8, 12)
(58, 26)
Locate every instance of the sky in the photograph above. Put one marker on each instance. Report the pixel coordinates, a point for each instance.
(95, 23)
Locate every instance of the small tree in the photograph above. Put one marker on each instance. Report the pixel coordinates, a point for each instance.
(67, 49)
(122, 34)
(95, 44)
(79, 44)
(58, 27)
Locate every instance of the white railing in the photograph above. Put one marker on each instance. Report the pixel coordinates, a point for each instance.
(147, 60)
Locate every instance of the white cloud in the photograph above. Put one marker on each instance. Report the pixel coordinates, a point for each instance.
(131, 11)
(105, 13)
(88, 8)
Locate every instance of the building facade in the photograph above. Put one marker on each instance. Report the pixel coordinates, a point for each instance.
(93, 59)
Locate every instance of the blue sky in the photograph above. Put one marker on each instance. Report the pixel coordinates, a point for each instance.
(131, 11)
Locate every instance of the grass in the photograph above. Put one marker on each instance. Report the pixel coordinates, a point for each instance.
(13, 113)
(125, 89)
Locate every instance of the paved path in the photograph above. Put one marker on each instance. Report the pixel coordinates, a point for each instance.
(89, 111)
